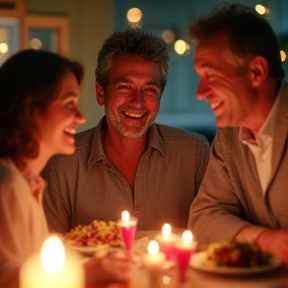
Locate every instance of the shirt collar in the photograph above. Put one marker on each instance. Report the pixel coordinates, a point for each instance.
(267, 129)
(155, 139)
(97, 151)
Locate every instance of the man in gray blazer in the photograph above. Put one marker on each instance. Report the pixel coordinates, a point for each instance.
(244, 192)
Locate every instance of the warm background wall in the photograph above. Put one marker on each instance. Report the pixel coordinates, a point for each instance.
(91, 22)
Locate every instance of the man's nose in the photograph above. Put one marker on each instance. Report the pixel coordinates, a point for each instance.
(202, 91)
(137, 98)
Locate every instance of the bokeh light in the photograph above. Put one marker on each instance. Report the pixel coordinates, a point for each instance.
(181, 47)
(262, 10)
(168, 36)
(4, 48)
(36, 44)
(134, 15)
(283, 55)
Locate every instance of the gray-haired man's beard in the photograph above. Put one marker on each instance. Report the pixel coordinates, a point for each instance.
(135, 132)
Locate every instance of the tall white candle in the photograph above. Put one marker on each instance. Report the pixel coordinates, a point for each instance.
(154, 259)
(53, 267)
(153, 262)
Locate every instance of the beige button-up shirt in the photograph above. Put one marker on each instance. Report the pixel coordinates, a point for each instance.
(85, 186)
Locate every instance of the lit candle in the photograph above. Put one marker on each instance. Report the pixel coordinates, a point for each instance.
(127, 226)
(183, 250)
(53, 267)
(153, 260)
(166, 241)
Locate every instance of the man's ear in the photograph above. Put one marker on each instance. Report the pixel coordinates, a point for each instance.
(100, 94)
(259, 70)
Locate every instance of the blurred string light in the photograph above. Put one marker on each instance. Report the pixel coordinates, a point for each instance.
(181, 47)
(283, 55)
(36, 44)
(261, 9)
(134, 15)
(4, 47)
(168, 36)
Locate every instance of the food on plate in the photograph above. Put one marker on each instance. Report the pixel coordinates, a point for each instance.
(96, 233)
(235, 254)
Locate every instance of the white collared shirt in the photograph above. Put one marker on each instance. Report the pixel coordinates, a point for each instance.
(261, 146)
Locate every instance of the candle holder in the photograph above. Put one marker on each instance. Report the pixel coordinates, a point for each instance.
(184, 249)
(167, 242)
(127, 227)
(167, 246)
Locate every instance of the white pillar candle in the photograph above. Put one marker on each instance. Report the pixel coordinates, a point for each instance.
(52, 268)
(153, 260)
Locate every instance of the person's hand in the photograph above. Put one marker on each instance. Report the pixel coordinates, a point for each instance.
(274, 242)
(112, 267)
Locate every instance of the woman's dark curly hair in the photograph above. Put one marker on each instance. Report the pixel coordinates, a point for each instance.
(28, 84)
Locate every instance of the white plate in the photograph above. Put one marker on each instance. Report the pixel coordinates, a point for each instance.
(88, 250)
(198, 259)
(154, 233)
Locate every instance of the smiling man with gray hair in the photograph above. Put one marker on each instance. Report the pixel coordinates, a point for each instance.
(128, 162)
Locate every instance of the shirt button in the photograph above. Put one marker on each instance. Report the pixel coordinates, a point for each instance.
(138, 208)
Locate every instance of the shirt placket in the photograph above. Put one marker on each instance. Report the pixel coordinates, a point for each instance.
(127, 193)
(140, 191)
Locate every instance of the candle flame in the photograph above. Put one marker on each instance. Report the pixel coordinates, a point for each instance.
(187, 236)
(125, 216)
(153, 247)
(53, 255)
(166, 229)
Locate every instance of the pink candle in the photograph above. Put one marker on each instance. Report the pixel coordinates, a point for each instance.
(167, 242)
(127, 227)
(183, 251)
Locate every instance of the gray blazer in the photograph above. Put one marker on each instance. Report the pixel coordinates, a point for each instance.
(230, 196)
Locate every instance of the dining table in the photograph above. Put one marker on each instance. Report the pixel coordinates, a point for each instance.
(274, 278)
(198, 279)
